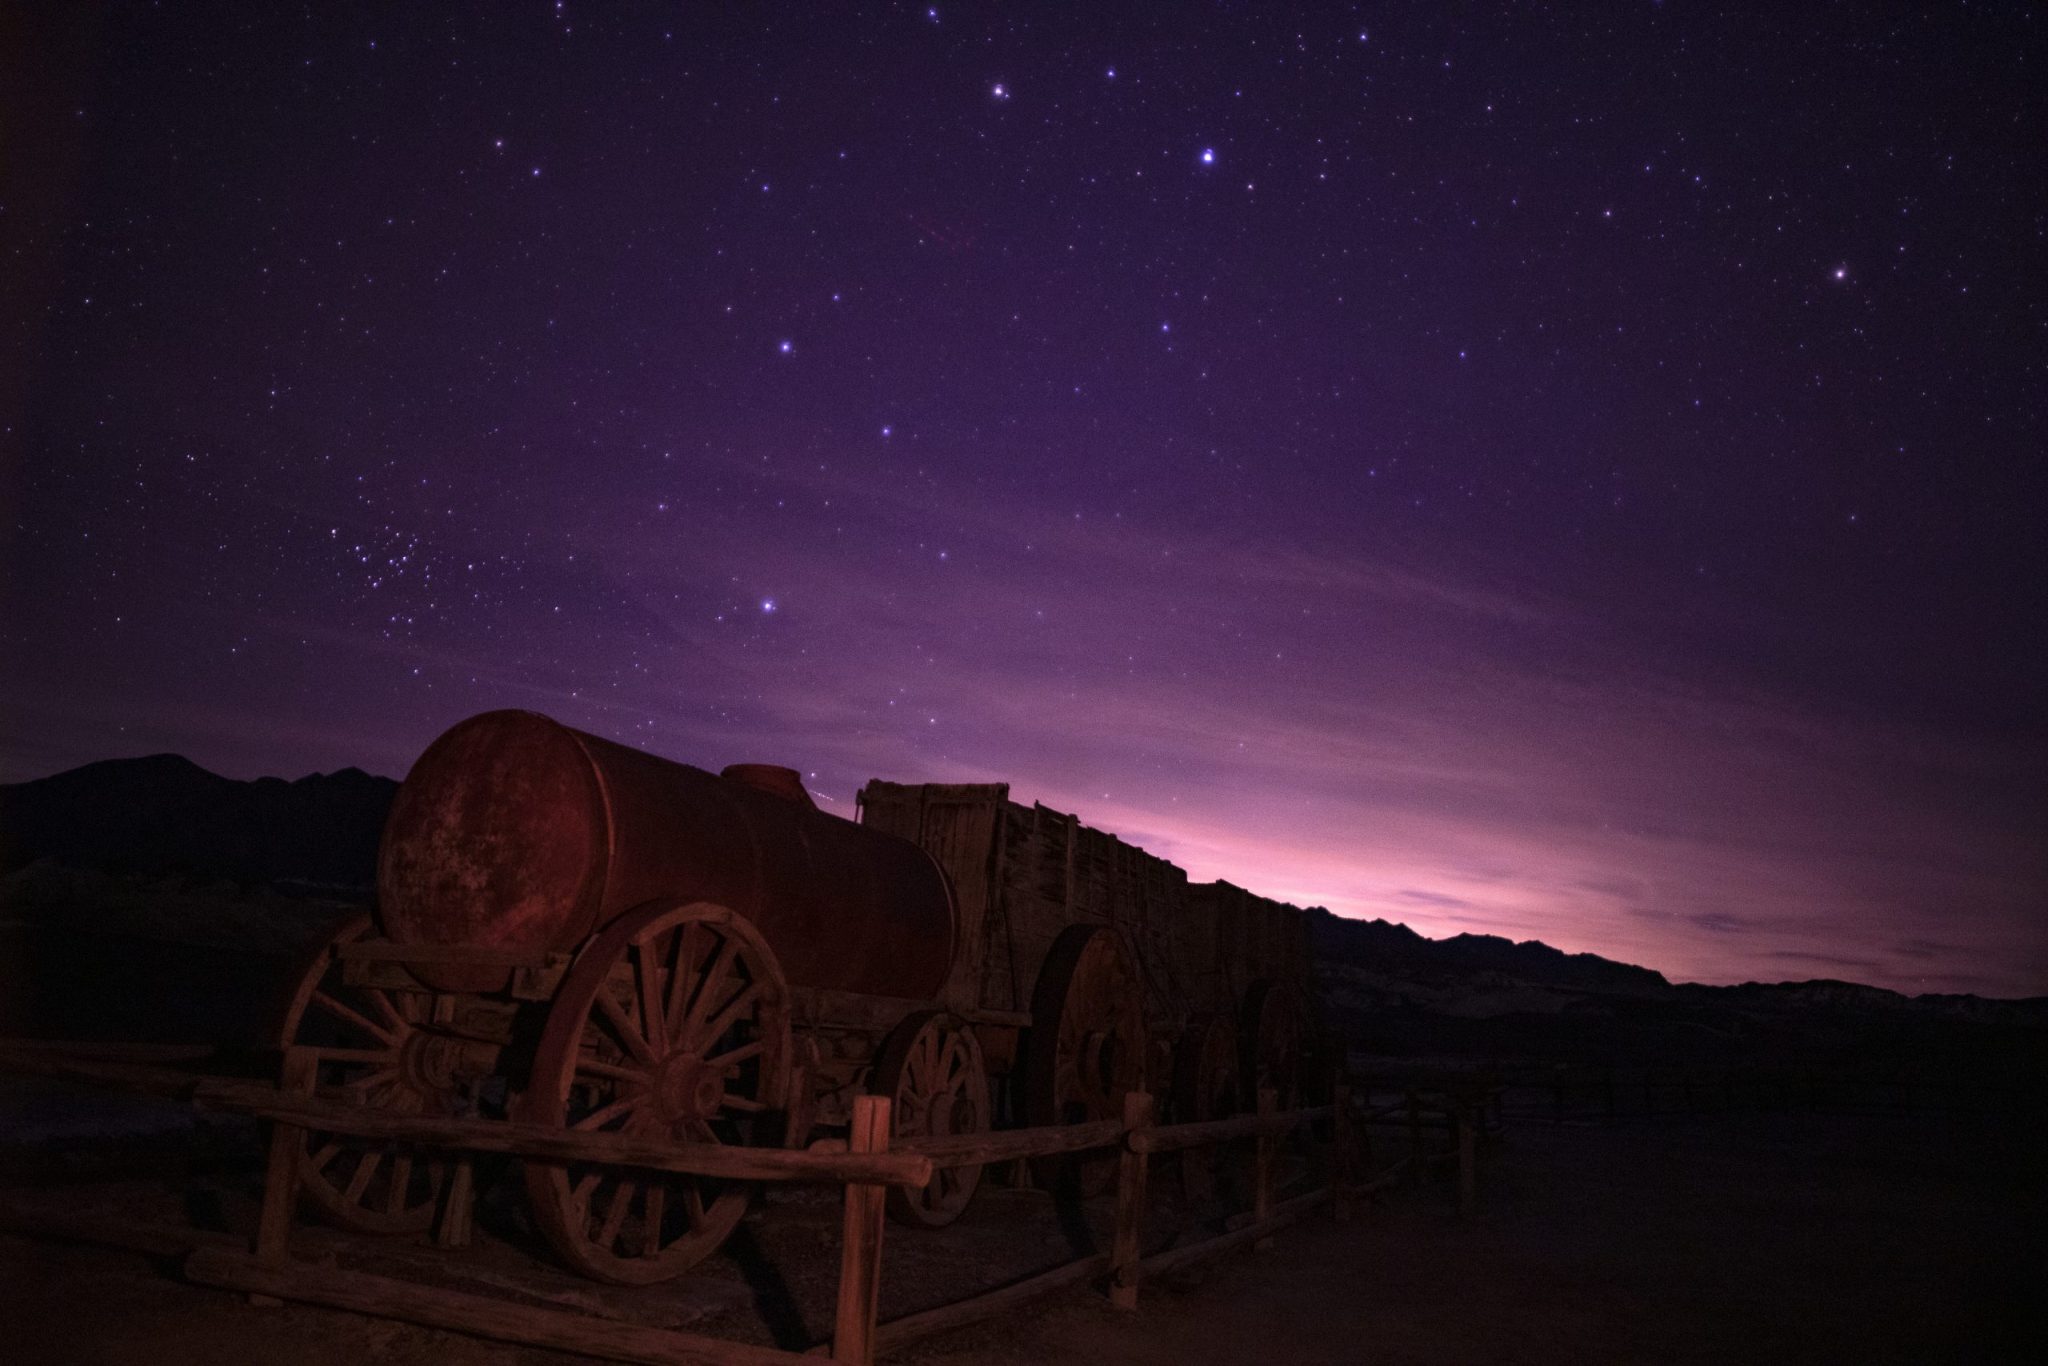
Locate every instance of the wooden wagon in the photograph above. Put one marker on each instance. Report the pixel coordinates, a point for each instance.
(576, 934)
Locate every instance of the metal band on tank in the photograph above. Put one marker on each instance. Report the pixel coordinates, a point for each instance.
(611, 826)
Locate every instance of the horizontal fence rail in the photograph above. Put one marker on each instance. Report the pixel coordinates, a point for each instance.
(1007, 1145)
(547, 1143)
(1167, 1138)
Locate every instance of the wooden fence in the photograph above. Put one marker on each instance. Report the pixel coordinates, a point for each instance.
(866, 1165)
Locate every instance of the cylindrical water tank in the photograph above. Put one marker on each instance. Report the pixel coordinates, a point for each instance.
(515, 832)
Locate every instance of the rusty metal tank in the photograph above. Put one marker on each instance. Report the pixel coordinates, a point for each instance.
(515, 832)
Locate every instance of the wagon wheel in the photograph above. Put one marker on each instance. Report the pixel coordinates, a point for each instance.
(932, 1072)
(373, 1049)
(672, 1024)
(1087, 1045)
(1205, 1086)
(1272, 1035)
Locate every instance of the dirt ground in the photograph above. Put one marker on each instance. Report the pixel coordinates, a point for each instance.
(1786, 1238)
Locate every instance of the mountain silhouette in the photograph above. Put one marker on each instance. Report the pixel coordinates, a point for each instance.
(164, 814)
(1387, 947)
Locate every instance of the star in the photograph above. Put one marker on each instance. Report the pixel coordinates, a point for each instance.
(1208, 156)
(1001, 91)
(784, 346)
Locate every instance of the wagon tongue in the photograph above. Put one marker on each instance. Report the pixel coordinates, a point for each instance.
(773, 779)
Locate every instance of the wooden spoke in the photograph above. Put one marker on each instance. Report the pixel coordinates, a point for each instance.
(387, 1091)
(365, 1169)
(349, 1015)
(648, 961)
(615, 1214)
(611, 1070)
(628, 1032)
(733, 1057)
(653, 1210)
(325, 1154)
(382, 1001)
(707, 991)
(744, 1103)
(681, 974)
(581, 1193)
(598, 1118)
(732, 1011)
(401, 1182)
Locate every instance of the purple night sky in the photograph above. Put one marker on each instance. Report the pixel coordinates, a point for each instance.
(1569, 473)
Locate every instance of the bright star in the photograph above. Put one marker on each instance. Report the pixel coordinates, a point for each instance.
(1001, 91)
(1208, 156)
(784, 347)
(767, 604)
(1841, 272)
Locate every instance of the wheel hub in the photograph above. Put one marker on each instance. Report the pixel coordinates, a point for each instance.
(426, 1063)
(686, 1090)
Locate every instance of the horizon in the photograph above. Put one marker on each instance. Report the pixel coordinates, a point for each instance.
(1675, 981)
(1454, 469)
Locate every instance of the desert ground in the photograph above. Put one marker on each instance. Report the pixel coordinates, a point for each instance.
(1779, 1237)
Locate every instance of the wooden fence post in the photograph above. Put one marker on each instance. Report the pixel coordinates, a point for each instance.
(860, 1253)
(1262, 1163)
(1132, 1166)
(1341, 1174)
(281, 1167)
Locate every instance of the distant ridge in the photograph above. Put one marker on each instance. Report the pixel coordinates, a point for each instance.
(165, 814)
(1387, 947)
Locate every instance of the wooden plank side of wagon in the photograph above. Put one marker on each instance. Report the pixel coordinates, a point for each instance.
(1024, 874)
(960, 826)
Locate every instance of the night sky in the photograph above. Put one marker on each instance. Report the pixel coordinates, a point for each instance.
(1568, 472)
